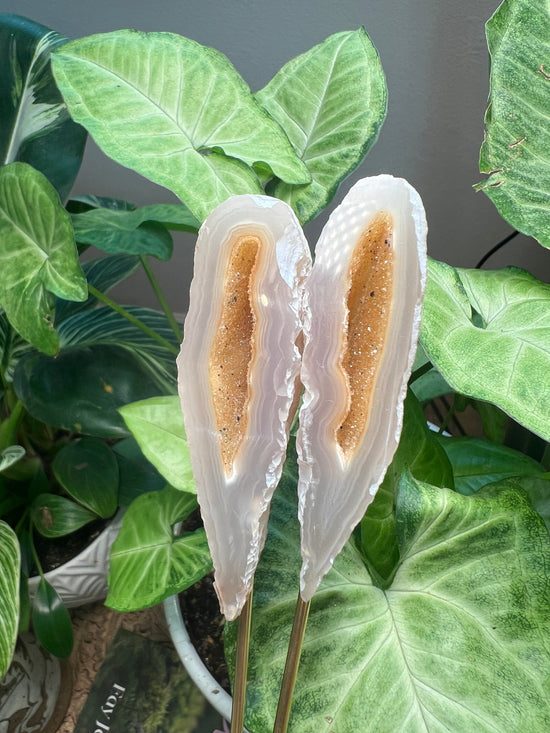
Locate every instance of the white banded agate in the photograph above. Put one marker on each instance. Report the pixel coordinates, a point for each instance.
(237, 374)
(364, 307)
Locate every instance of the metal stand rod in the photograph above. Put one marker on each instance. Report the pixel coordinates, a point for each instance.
(291, 665)
(241, 667)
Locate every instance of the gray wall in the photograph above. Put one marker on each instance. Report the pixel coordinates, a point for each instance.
(435, 59)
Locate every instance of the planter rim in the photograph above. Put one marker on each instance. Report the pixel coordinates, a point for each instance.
(220, 700)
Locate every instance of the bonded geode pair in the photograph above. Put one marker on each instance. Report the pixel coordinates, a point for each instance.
(262, 322)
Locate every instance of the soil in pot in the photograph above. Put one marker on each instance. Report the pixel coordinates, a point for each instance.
(56, 552)
(201, 613)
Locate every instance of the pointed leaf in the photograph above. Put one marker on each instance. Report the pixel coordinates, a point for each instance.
(148, 563)
(515, 152)
(487, 332)
(477, 462)
(82, 389)
(88, 471)
(10, 562)
(331, 102)
(111, 229)
(56, 516)
(51, 620)
(157, 425)
(35, 126)
(37, 255)
(179, 106)
(459, 642)
(114, 232)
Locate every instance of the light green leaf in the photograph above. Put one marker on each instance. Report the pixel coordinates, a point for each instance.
(38, 255)
(488, 332)
(459, 642)
(157, 425)
(477, 462)
(331, 102)
(10, 562)
(515, 153)
(148, 563)
(419, 452)
(174, 111)
(35, 126)
(88, 471)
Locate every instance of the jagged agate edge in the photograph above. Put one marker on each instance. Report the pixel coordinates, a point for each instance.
(333, 496)
(235, 509)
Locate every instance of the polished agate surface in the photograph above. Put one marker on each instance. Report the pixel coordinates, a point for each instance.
(364, 301)
(237, 375)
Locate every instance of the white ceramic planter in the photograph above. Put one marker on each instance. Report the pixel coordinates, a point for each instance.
(212, 691)
(84, 578)
(35, 692)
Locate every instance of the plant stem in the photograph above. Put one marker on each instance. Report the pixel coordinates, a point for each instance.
(10, 426)
(135, 321)
(291, 665)
(161, 297)
(241, 667)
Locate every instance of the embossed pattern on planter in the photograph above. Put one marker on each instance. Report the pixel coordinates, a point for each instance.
(84, 578)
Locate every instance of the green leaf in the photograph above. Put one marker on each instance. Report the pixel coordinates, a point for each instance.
(35, 126)
(487, 332)
(537, 489)
(51, 620)
(37, 255)
(103, 273)
(331, 102)
(88, 471)
(104, 326)
(419, 452)
(55, 516)
(515, 153)
(137, 231)
(10, 562)
(157, 425)
(182, 116)
(107, 231)
(477, 462)
(459, 642)
(136, 474)
(82, 389)
(148, 563)
(10, 456)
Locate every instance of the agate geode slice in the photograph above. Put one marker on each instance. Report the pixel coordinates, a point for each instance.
(238, 369)
(365, 298)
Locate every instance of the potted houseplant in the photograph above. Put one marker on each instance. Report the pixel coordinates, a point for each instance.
(436, 613)
(70, 356)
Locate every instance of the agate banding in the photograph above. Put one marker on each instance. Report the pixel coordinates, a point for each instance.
(365, 298)
(237, 374)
